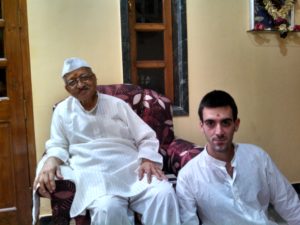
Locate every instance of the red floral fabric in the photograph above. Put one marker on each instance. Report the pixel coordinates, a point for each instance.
(61, 201)
(180, 152)
(132, 94)
(157, 113)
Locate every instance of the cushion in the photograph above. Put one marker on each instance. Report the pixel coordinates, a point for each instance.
(180, 152)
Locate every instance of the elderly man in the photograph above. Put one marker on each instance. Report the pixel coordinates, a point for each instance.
(230, 183)
(100, 143)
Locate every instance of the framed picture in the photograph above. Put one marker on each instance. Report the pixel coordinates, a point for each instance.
(260, 19)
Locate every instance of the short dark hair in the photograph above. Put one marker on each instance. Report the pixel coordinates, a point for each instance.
(217, 98)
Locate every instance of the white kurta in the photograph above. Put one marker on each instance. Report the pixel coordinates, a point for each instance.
(101, 148)
(204, 186)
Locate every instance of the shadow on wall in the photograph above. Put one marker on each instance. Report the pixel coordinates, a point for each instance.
(271, 38)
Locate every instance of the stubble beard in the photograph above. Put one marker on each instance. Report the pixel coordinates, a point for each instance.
(219, 147)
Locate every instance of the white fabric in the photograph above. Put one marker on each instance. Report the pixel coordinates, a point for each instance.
(101, 148)
(72, 64)
(105, 208)
(204, 187)
(157, 204)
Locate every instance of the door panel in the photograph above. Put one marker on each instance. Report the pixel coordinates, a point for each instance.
(7, 200)
(15, 185)
(8, 218)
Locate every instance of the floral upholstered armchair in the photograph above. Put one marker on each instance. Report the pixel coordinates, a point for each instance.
(156, 111)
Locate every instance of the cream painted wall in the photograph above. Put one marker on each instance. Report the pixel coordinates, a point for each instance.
(259, 69)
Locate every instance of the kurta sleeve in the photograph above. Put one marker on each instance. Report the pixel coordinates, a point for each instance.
(57, 145)
(283, 196)
(144, 137)
(187, 203)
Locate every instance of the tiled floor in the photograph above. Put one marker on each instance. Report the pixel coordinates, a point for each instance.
(46, 220)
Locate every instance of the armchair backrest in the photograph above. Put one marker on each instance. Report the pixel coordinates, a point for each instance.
(132, 94)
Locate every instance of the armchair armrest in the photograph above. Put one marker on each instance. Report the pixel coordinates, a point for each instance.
(61, 201)
(180, 152)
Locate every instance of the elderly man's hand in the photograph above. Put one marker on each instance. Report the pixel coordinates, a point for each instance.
(150, 168)
(45, 181)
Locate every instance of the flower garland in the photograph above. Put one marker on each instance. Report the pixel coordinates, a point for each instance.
(282, 12)
(280, 16)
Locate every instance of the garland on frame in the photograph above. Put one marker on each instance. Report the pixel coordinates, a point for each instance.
(279, 16)
(282, 12)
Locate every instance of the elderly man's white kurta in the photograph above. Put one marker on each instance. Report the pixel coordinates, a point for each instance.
(101, 148)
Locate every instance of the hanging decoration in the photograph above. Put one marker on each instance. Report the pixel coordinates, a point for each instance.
(280, 16)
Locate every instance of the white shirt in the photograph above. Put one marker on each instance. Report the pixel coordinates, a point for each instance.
(102, 148)
(205, 187)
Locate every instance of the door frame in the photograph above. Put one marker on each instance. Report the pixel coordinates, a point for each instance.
(28, 103)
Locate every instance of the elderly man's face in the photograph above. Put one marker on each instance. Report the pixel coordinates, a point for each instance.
(81, 84)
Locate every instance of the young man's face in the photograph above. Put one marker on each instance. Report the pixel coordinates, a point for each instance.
(218, 127)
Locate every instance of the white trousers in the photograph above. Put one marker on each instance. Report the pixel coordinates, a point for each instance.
(157, 205)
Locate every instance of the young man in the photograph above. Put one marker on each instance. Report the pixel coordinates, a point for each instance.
(103, 146)
(231, 184)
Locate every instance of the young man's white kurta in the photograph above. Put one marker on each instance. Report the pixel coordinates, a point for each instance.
(204, 186)
(102, 147)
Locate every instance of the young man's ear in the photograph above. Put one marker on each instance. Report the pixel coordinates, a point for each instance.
(237, 124)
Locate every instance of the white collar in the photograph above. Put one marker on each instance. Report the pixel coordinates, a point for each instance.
(217, 162)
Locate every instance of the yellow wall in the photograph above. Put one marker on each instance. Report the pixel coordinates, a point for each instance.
(260, 70)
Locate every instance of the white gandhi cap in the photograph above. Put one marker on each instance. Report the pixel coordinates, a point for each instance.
(72, 64)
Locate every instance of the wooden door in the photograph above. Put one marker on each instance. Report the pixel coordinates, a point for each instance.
(15, 168)
(151, 47)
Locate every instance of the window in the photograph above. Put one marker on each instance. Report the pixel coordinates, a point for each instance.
(154, 47)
